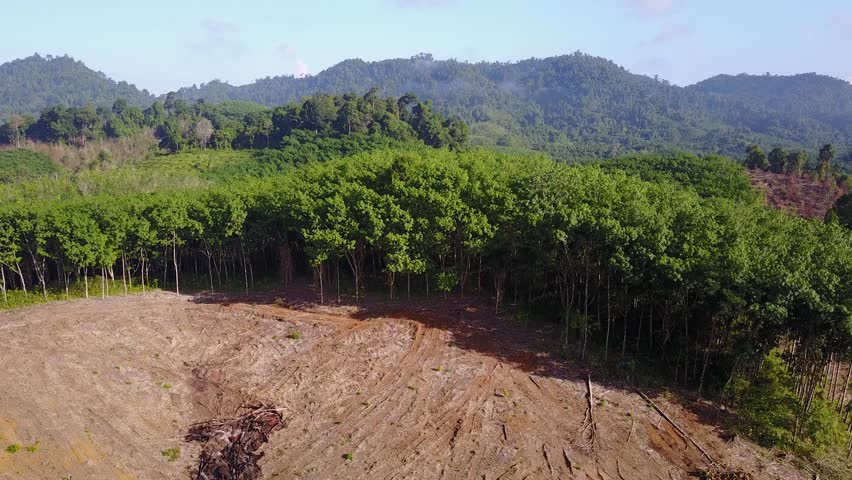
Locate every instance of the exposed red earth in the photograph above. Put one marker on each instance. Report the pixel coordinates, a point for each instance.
(410, 389)
(797, 194)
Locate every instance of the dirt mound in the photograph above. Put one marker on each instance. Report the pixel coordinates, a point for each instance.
(408, 390)
(230, 445)
(801, 195)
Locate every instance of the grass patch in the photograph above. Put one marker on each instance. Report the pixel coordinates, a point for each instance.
(171, 454)
(13, 448)
(198, 161)
(33, 448)
(348, 456)
(295, 335)
(17, 299)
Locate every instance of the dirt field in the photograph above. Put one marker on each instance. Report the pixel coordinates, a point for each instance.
(100, 389)
(801, 195)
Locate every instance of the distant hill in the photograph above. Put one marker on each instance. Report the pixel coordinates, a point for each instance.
(799, 108)
(571, 106)
(576, 105)
(33, 83)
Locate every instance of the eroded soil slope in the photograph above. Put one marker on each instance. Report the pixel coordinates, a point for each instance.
(383, 391)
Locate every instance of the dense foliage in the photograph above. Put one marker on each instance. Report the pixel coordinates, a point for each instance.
(709, 176)
(572, 106)
(686, 271)
(842, 211)
(21, 165)
(179, 125)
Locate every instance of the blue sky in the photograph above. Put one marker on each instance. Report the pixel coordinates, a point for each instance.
(165, 44)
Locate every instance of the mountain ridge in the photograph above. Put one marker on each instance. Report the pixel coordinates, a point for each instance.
(569, 105)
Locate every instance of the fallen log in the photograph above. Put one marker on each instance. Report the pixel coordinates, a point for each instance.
(676, 426)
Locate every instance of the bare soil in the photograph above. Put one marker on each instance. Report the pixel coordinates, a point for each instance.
(447, 389)
(798, 194)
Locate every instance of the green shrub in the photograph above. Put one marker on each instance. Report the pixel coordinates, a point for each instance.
(19, 165)
(767, 409)
(823, 428)
(767, 406)
(171, 454)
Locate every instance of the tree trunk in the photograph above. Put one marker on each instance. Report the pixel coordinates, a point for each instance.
(123, 273)
(23, 283)
(639, 330)
(86, 280)
(285, 258)
(356, 260)
(142, 268)
(174, 260)
(608, 318)
(40, 274)
(319, 277)
(479, 276)
(3, 284)
(210, 269)
(845, 387)
(245, 269)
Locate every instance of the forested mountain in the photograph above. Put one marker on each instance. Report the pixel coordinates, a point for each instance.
(588, 106)
(798, 108)
(31, 84)
(571, 106)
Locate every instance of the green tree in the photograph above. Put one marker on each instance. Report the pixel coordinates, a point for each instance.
(778, 160)
(824, 161)
(796, 162)
(755, 158)
(842, 211)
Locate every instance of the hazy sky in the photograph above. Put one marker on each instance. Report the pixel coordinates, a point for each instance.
(165, 44)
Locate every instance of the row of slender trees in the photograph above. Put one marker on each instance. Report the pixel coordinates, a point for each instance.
(797, 162)
(705, 285)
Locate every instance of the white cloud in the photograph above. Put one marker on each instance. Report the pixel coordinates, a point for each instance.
(849, 79)
(671, 32)
(301, 69)
(654, 8)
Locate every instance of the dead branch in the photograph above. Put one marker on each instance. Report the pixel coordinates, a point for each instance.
(546, 458)
(590, 427)
(676, 426)
(568, 462)
(632, 425)
(533, 380)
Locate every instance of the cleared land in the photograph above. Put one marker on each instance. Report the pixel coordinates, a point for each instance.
(800, 195)
(110, 388)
